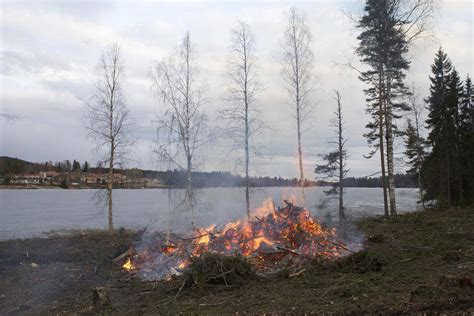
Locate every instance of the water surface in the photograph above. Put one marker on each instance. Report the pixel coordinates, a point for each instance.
(25, 213)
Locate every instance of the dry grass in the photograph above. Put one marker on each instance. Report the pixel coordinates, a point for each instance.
(419, 262)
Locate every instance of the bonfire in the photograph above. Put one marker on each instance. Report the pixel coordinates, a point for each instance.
(274, 239)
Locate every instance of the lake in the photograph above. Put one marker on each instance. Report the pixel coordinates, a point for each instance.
(26, 213)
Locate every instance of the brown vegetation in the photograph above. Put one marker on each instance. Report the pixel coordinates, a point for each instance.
(419, 262)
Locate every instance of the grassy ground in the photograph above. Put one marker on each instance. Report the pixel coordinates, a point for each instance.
(419, 262)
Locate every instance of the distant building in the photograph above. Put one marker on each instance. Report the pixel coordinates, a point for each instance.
(27, 179)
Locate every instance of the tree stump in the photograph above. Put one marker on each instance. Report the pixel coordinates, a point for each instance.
(100, 297)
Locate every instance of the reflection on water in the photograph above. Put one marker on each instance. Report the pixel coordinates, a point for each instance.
(25, 213)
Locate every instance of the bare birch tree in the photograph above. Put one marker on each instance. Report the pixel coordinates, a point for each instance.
(107, 118)
(415, 143)
(182, 122)
(241, 115)
(297, 71)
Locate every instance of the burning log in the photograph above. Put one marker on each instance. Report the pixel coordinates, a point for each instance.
(280, 238)
(127, 254)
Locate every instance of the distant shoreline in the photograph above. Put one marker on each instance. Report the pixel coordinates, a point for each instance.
(12, 187)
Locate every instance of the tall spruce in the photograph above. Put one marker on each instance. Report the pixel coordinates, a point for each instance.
(439, 163)
(453, 100)
(383, 46)
(466, 132)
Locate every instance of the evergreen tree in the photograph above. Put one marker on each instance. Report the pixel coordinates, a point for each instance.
(76, 166)
(334, 167)
(383, 46)
(438, 174)
(86, 167)
(453, 100)
(466, 139)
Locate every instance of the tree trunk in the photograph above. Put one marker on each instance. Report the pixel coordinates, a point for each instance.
(247, 159)
(189, 191)
(419, 152)
(109, 194)
(389, 138)
(298, 113)
(448, 177)
(381, 146)
(300, 153)
(111, 168)
(390, 167)
(341, 160)
(110, 188)
(247, 132)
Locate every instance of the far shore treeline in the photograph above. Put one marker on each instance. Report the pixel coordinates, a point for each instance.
(11, 167)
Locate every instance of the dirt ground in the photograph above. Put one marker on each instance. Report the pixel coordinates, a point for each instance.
(419, 262)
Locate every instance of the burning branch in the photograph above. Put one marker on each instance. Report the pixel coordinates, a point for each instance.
(284, 238)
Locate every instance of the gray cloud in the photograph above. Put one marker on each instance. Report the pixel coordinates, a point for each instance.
(50, 49)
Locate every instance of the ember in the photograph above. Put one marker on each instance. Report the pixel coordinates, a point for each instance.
(276, 239)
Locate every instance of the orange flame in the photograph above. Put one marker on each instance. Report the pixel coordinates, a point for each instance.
(288, 233)
(128, 265)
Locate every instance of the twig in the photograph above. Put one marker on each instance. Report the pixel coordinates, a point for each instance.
(297, 273)
(179, 291)
(341, 245)
(192, 238)
(214, 304)
(167, 240)
(335, 286)
(221, 275)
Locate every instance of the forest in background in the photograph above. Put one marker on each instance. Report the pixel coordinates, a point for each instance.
(177, 179)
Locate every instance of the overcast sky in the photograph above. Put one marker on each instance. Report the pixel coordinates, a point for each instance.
(49, 50)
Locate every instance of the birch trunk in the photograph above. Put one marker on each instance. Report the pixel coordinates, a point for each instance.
(242, 115)
(300, 154)
(390, 167)
(247, 154)
(381, 142)
(189, 191)
(175, 82)
(110, 184)
(108, 122)
(297, 72)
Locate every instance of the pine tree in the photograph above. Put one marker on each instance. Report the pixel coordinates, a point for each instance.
(86, 167)
(453, 100)
(383, 46)
(466, 139)
(438, 174)
(76, 166)
(334, 167)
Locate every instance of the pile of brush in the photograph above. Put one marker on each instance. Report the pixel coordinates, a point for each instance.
(283, 239)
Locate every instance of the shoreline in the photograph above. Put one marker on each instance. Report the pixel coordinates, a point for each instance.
(10, 187)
